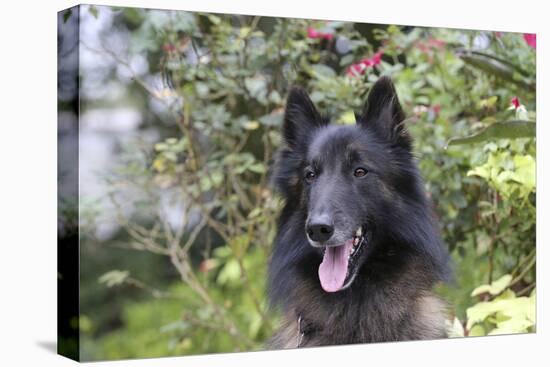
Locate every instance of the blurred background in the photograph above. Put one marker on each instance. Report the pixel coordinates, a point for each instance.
(180, 115)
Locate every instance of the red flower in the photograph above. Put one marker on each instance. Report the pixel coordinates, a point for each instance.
(356, 69)
(430, 45)
(421, 46)
(531, 39)
(376, 58)
(437, 109)
(498, 34)
(168, 47)
(364, 64)
(436, 43)
(313, 33)
(515, 102)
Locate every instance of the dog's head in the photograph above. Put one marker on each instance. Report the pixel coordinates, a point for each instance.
(357, 183)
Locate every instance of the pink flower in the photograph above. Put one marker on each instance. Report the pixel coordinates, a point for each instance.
(168, 47)
(363, 64)
(436, 43)
(531, 39)
(430, 44)
(419, 110)
(356, 69)
(437, 109)
(376, 58)
(515, 102)
(314, 34)
(497, 34)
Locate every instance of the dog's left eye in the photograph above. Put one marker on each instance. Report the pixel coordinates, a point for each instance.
(360, 172)
(309, 176)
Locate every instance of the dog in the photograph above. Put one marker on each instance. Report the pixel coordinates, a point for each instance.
(357, 251)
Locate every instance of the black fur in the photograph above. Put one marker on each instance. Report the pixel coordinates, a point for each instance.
(390, 299)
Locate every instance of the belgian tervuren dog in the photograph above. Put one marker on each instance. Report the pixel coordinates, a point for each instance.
(358, 251)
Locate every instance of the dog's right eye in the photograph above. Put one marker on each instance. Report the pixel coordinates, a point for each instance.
(309, 176)
(360, 172)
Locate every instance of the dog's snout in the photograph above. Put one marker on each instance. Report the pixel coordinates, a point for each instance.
(320, 230)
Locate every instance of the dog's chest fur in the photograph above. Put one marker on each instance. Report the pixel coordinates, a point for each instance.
(393, 309)
(424, 320)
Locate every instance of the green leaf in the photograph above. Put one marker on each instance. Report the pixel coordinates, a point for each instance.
(254, 324)
(85, 325)
(479, 312)
(230, 273)
(223, 252)
(347, 118)
(93, 10)
(499, 130)
(133, 16)
(202, 89)
(521, 310)
(495, 287)
(114, 277)
(323, 71)
(211, 180)
(256, 86)
(487, 102)
(481, 171)
(239, 245)
(497, 67)
(257, 168)
(511, 326)
(275, 97)
(477, 330)
(272, 119)
(250, 125)
(67, 15)
(507, 294)
(244, 32)
(254, 213)
(214, 18)
(525, 171)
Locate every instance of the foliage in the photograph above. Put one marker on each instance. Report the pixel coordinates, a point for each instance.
(499, 130)
(224, 80)
(505, 313)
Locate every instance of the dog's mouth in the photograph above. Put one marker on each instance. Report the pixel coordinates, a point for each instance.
(341, 263)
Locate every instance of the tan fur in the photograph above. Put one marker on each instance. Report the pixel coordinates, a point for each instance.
(288, 335)
(431, 311)
(429, 323)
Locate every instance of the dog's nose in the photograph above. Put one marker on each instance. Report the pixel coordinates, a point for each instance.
(320, 231)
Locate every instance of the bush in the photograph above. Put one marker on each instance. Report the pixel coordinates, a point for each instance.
(223, 83)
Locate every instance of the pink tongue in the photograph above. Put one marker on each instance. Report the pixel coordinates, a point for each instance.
(333, 269)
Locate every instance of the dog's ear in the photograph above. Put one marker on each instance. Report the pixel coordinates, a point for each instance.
(301, 117)
(383, 113)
